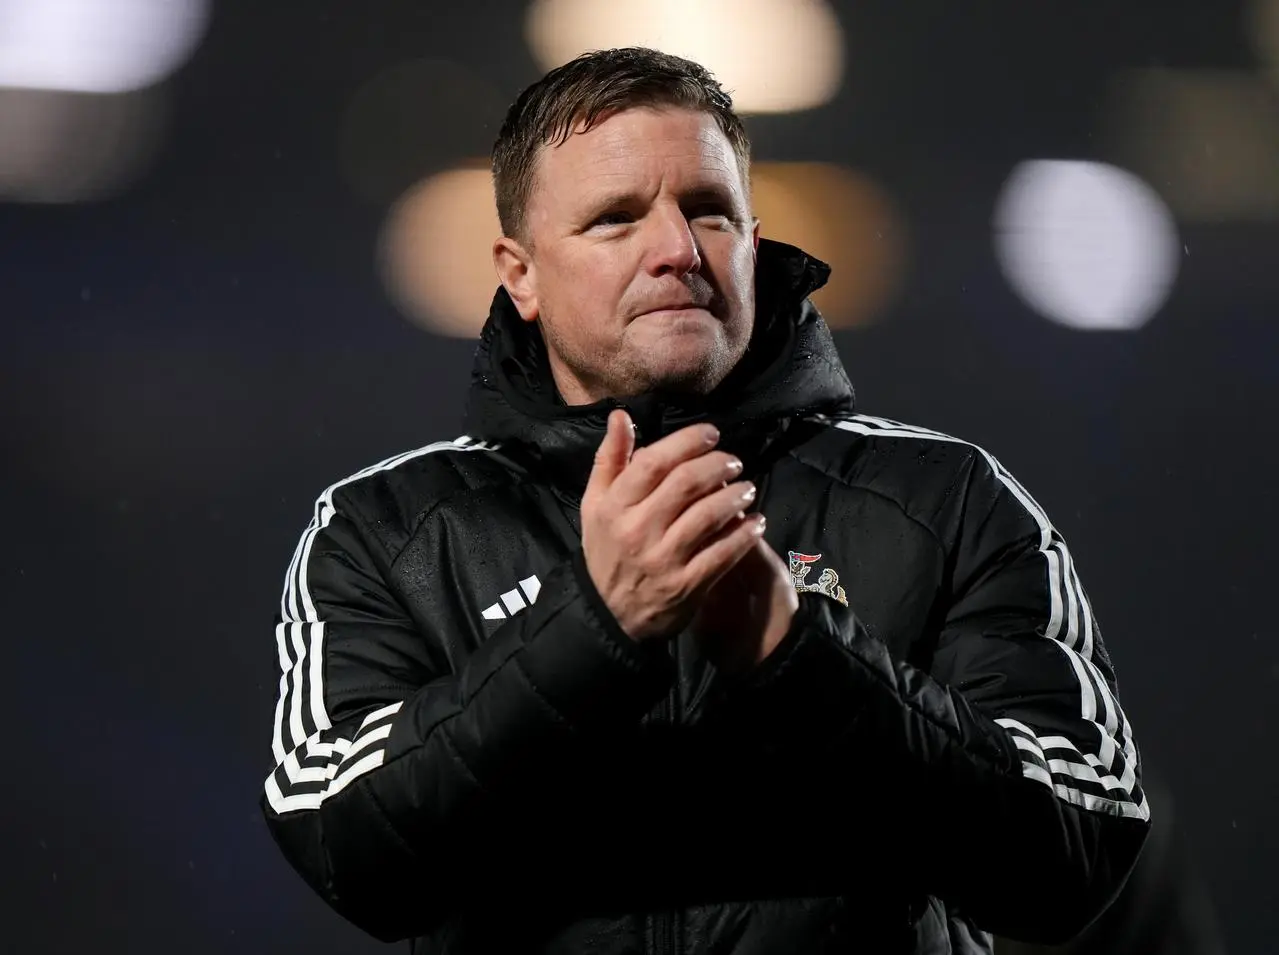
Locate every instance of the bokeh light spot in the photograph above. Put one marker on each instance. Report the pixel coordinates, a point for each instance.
(58, 147)
(843, 218)
(1085, 244)
(96, 46)
(771, 55)
(436, 252)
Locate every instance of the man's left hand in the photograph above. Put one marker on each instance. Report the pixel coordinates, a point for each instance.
(747, 612)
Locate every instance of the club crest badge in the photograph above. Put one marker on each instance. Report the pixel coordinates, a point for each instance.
(827, 581)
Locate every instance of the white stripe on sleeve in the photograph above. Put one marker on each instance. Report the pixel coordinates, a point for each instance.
(1071, 774)
(331, 766)
(301, 716)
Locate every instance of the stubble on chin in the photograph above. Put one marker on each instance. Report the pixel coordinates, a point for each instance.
(636, 364)
(659, 370)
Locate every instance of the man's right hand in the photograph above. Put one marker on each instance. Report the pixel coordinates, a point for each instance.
(661, 525)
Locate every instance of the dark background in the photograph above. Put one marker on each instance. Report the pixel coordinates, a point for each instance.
(187, 363)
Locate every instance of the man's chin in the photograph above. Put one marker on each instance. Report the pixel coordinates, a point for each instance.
(687, 374)
(692, 363)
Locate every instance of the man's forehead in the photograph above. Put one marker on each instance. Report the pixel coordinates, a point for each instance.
(626, 142)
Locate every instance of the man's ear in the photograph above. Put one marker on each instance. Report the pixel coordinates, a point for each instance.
(518, 275)
(755, 237)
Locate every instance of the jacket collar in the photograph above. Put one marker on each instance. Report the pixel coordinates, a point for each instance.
(790, 369)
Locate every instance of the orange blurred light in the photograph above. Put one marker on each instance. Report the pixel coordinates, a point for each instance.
(843, 218)
(772, 55)
(436, 252)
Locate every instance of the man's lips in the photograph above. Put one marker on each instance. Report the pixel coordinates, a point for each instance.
(676, 307)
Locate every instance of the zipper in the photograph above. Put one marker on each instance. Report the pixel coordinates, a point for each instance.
(663, 933)
(665, 941)
(665, 928)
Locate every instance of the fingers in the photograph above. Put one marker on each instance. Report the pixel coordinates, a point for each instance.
(706, 517)
(724, 549)
(614, 452)
(687, 484)
(650, 465)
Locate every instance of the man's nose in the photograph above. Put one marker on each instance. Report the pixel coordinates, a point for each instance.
(673, 247)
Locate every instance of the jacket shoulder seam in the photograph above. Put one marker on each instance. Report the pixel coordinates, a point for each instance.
(870, 489)
(463, 443)
(857, 486)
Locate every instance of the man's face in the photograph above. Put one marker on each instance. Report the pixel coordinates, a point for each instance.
(640, 264)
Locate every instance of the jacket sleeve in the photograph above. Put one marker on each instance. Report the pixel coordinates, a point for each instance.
(1008, 767)
(389, 758)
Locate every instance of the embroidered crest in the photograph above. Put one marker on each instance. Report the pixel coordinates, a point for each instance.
(827, 581)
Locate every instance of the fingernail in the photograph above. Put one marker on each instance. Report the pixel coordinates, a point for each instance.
(748, 493)
(712, 434)
(734, 466)
(760, 524)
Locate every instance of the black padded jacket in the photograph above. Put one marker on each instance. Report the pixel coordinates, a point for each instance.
(470, 753)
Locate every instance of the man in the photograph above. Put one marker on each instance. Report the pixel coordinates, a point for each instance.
(551, 687)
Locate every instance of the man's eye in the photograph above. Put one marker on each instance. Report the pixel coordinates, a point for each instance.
(612, 218)
(710, 212)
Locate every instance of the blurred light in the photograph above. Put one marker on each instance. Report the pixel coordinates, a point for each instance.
(96, 46)
(74, 147)
(842, 218)
(1085, 244)
(1210, 139)
(413, 119)
(437, 252)
(1263, 27)
(771, 55)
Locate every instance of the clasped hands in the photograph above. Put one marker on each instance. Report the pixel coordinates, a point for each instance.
(669, 543)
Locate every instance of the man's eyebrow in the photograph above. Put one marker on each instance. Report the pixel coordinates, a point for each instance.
(708, 191)
(608, 200)
(612, 200)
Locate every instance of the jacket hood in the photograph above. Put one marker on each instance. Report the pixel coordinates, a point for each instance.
(790, 369)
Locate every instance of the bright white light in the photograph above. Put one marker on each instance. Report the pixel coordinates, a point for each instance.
(96, 46)
(436, 252)
(771, 55)
(1086, 244)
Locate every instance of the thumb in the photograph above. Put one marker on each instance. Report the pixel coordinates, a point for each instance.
(778, 573)
(764, 564)
(614, 452)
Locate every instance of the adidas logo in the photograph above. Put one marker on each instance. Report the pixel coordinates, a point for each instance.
(513, 601)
